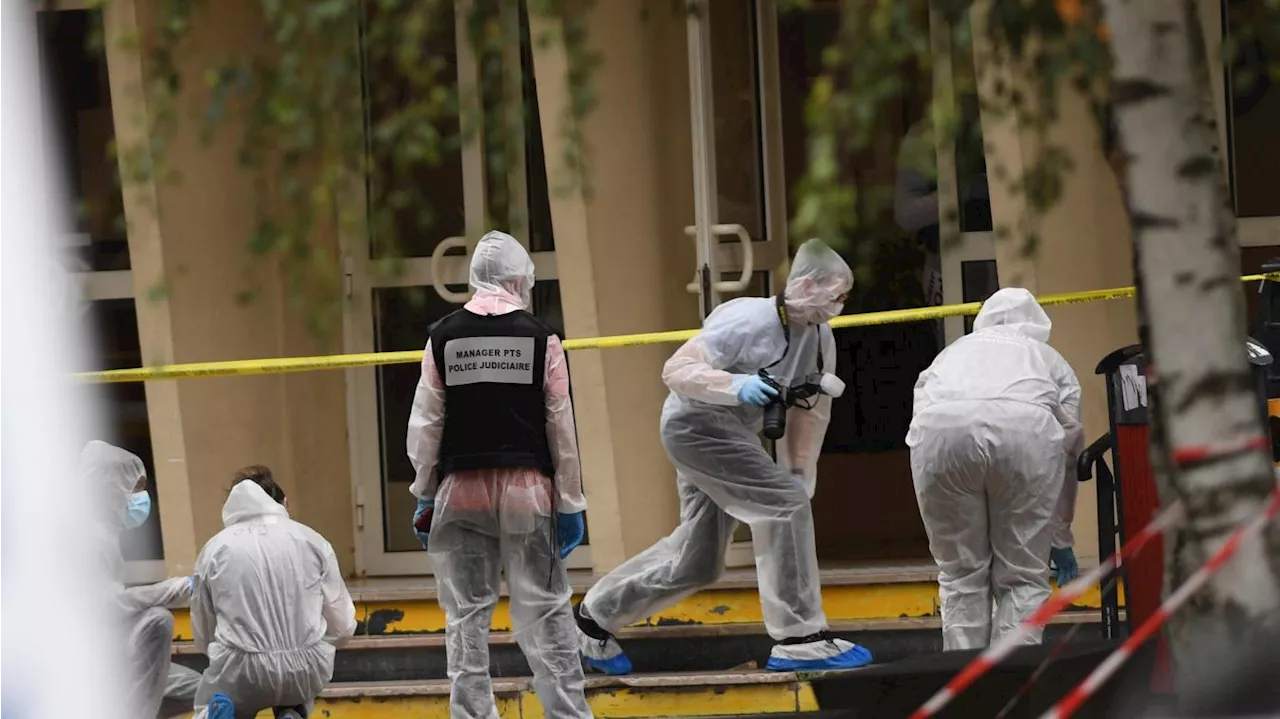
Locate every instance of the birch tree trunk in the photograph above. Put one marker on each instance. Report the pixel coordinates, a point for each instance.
(1191, 321)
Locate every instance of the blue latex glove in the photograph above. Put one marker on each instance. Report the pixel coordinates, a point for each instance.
(755, 391)
(569, 531)
(1063, 560)
(422, 519)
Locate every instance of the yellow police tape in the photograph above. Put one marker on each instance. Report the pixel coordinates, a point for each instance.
(368, 359)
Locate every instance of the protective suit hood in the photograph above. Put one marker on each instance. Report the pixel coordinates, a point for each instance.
(500, 265)
(1017, 309)
(111, 473)
(246, 501)
(818, 279)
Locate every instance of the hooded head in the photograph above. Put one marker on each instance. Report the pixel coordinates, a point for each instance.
(500, 264)
(248, 500)
(818, 285)
(1016, 309)
(113, 474)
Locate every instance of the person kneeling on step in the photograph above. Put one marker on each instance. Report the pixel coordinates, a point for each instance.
(720, 382)
(270, 607)
(499, 484)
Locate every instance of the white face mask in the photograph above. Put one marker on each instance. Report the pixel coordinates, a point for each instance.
(136, 510)
(831, 311)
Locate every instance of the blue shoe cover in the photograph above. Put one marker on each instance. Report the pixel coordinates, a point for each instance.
(613, 666)
(851, 658)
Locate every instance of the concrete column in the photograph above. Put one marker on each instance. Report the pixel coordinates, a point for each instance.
(1084, 241)
(188, 239)
(623, 257)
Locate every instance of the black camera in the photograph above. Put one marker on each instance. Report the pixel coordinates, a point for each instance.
(775, 413)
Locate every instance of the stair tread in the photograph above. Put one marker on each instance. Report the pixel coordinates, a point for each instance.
(435, 640)
(509, 685)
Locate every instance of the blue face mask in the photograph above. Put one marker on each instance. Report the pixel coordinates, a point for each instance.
(137, 509)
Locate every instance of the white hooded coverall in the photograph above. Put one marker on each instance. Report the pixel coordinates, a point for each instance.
(994, 437)
(270, 607)
(723, 473)
(143, 610)
(494, 522)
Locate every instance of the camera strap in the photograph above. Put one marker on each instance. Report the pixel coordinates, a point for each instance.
(781, 307)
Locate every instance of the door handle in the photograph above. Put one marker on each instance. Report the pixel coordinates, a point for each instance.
(437, 259)
(748, 259)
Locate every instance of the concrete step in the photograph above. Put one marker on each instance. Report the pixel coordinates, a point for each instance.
(410, 607)
(694, 694)
(688, 648)
(879, 691)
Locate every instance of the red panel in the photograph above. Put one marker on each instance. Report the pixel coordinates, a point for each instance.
(1140, 504)
(1138, 492)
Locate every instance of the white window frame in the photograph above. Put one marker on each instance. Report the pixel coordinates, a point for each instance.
(371, 556)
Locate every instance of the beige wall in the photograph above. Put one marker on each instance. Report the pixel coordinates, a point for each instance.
(1083, 245)
(202, 430)
(623, 260)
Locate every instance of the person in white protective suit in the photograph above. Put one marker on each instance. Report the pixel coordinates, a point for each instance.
(994, 435)
(710, 426)
(120, 479)
(499, 483)
(270, 606)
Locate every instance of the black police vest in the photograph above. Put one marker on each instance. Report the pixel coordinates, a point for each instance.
(495, 404)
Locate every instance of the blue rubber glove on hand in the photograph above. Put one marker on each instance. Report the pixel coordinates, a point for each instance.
(1063, 560)
(570, 529)
(756, 392)
(422, 519)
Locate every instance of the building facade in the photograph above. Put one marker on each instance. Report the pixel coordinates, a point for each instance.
(697, 140)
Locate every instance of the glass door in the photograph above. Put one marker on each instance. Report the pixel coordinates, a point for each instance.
(740, 219)
(396, 291)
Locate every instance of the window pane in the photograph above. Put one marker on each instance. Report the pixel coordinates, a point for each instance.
(759, 286)
(417, 226)
(546, 304)
(978, 281)
(880, 364)
(541, 232)
(82, 132)
(112, 326)
(734, 87)
(1255, 111)
(402, 316)
(971, 160)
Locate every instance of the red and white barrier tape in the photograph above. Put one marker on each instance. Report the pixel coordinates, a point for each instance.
(1000, 649)
(1205, 452)
(1104, 671)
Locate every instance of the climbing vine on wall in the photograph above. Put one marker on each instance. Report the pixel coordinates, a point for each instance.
(1057, 44)
(343, 99)
(325, 125)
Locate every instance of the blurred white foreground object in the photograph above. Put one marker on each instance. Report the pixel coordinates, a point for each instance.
(60, 654)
